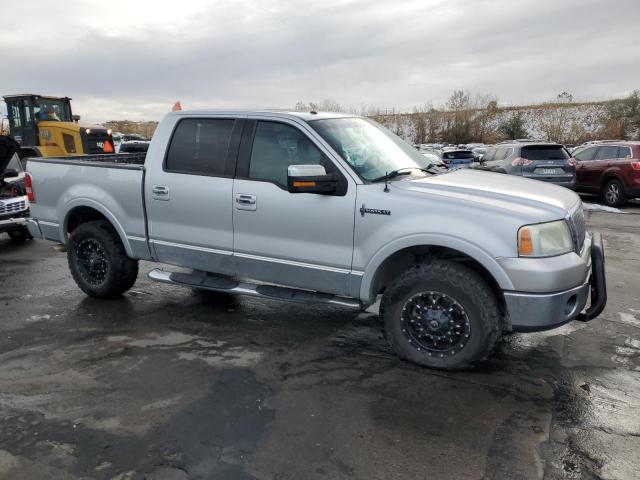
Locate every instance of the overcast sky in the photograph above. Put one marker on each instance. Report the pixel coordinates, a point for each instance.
(132, 59)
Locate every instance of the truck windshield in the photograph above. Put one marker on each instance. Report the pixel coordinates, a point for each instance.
(51, 110)
(370, 149)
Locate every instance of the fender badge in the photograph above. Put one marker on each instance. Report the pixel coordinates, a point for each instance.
(374, 211)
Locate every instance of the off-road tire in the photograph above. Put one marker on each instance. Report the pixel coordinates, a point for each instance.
(20, 236)
(121, 271)
(619, 200)
(461, 284)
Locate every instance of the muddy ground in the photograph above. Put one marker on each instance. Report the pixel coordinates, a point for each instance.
(166, 383)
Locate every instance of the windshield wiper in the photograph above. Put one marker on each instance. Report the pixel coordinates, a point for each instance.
(403, 171)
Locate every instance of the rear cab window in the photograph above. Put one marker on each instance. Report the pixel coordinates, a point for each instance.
(199, 146)
(545, 152)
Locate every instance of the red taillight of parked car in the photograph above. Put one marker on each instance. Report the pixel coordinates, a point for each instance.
(29, 187)
(572, 161)
(635, 165)
(521, 162)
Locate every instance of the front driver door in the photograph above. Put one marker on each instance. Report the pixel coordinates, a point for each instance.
(303, 240)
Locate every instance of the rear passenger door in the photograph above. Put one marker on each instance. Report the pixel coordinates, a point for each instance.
(303, 240)
(188, 195)
(592, 173)
(585, 168)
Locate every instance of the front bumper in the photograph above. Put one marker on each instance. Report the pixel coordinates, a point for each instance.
(543, 311)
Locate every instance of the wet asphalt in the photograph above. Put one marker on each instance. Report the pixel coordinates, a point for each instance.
(167, 383)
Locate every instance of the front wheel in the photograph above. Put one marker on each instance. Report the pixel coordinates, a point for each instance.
(98, 261)
(442, 315)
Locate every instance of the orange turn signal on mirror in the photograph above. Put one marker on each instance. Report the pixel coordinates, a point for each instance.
(304, 184)
(525, 245)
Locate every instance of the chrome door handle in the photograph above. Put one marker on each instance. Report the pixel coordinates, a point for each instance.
(160, 192)
(246, 202)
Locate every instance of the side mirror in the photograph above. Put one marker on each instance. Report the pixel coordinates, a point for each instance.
(10, 173)
(310, 179)
(75, 118)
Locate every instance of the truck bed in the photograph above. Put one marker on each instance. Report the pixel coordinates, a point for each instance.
(113, 185)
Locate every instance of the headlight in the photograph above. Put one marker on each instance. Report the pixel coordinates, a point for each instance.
(544, 239)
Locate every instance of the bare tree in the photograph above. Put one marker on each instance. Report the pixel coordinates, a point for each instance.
(486, 108)
(459, 118)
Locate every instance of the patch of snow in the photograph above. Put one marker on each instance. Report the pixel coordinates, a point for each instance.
(600, 208)
(629, 319)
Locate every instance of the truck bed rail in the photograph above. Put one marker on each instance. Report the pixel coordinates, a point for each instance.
(117, 160)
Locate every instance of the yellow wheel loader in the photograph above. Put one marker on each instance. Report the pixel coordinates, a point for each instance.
(45, 127)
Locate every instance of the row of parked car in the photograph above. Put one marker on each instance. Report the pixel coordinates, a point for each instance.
(609, 168)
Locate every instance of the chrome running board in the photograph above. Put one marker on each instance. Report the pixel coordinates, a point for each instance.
(218, 283)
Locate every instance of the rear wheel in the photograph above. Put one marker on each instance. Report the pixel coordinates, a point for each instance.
(441, 315)
(613, 194)
(21, 235)
(98, 261)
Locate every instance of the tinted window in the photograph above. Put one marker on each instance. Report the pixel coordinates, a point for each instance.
(586, 154)
(275, 147)
(544, 152)
(457, 155)
(14, 114)
(607, 152)
(624, 152)
(199, 146)
(502, 153)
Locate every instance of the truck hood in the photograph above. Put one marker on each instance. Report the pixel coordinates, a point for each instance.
(8, 146)
(498, 191)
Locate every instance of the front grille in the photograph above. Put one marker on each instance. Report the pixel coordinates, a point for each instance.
(12, 206)
(578, 227)
(96, 142)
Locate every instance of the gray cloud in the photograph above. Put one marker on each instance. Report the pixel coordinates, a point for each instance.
(132, 60)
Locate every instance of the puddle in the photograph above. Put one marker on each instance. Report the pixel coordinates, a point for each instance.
(233, 357)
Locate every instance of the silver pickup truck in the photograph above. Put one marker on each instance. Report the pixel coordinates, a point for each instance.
(329, 208)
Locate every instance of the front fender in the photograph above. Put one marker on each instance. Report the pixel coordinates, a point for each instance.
(455, 243)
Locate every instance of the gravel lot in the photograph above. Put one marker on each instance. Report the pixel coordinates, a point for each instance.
(167, 383)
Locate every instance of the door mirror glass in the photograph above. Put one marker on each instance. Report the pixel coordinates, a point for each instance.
(310, 179)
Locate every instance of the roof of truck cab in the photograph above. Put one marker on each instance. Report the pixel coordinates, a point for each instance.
(306, 116)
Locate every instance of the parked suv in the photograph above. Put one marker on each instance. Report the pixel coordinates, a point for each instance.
(610, 169)
(458, 158)
(549, 162)
(14, 205)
